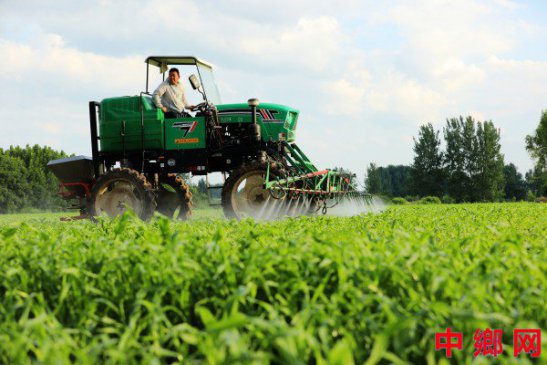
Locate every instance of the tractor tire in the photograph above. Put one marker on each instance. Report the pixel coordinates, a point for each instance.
(243, 194)
(173, 193)
(121, 189)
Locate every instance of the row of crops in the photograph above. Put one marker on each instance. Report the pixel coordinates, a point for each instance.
(366, 289)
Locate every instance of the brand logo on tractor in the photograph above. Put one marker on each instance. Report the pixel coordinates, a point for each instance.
(186, 140)
(268, 115)
(186, 127)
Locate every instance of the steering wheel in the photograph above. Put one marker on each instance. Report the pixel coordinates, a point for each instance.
(199, 107)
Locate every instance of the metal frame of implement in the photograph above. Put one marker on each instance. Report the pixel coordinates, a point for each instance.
(308, 180)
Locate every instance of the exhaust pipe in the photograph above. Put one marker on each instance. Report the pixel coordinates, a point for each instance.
(254, 128)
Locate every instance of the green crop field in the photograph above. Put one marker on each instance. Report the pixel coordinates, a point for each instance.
(370, 289)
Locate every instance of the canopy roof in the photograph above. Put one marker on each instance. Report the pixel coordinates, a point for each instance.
(163, 61)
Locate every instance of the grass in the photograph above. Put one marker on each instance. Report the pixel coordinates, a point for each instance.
(366, 289)
(48, 217)
(14, 219)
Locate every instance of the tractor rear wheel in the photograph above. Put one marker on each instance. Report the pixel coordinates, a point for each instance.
(244, 194)
(121, 189)
(173, 194)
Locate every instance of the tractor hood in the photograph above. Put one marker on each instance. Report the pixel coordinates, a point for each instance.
(276, 121)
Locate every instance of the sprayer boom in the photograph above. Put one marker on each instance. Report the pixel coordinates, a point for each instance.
(300, 179)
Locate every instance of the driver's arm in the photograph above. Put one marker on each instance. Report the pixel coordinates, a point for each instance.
(156, 97)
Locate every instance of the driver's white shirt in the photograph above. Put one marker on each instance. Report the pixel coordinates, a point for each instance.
(170, 96)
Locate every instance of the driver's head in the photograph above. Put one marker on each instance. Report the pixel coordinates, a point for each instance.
(174, 76)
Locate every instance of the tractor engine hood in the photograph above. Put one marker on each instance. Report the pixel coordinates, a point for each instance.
(277, 121)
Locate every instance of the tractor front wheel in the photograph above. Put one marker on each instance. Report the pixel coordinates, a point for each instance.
(121, 189)
(244, 193)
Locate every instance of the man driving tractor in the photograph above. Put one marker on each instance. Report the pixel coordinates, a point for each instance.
(169, 96)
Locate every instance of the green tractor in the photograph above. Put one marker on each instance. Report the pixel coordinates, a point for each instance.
(139, 156)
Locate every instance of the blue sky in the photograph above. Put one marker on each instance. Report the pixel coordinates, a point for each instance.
(364, 74)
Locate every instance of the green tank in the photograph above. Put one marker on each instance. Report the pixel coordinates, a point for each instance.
(120, 124)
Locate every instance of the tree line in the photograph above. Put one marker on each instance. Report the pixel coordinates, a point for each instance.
(25, 182)
(470, 168)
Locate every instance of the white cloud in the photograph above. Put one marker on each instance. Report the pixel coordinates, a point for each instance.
(455, 75)
(52, 127)
(391, 92)
(15, 58)
(452, 28)
(370, 69)
(52, 63)
(309, 46)
(508, 4)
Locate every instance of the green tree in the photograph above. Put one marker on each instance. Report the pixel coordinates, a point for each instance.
(400, 179)
(515, 186)
(458, 180)
(535, 182)
(202, 186)
(373, 180)
(392, 181)
(387, 185)
(395, 180)
(14, 185)
(427, 169)
(473, 161)
(37, 187)
(536, 145)
(487, 164)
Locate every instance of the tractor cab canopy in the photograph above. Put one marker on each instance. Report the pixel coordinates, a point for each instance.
(203, 70)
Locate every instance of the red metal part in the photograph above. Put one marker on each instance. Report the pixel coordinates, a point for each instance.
(313, 192)
(310, 175)
(65, 193)
(317, 173)
(70, 194)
